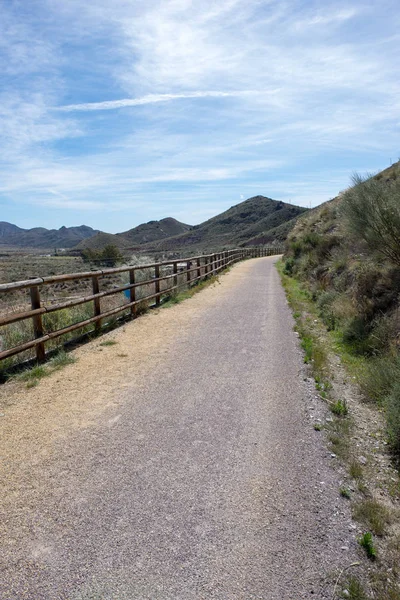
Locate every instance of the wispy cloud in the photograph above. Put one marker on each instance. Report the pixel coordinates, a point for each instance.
(151, 99)
(231, 98)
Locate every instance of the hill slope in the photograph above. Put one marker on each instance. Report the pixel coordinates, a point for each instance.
(347, 253)
(39, 237)
(154, 230)
(239, 225)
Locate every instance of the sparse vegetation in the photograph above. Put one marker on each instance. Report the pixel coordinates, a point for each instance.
(108, 343)
(354, 590)
(355, 470)
(347, 255)
(351, 279)
(373, 514)
(33, 375)
(60, 360)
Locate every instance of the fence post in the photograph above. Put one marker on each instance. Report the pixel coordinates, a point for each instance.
(37, 323)
(175, 272)
(132, 292)
(188, 264)
(96, 302)
(198, 269)
(157, 283)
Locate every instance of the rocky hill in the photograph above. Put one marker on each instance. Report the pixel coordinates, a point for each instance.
(253, 221)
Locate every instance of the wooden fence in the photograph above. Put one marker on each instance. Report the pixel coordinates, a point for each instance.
(165, 278)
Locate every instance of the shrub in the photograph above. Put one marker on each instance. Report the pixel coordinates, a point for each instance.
(355, 333)
(324, 303)
(288, 267)
(109, 256)
(372, 209)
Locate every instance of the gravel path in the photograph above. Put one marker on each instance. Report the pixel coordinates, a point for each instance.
(180, 463)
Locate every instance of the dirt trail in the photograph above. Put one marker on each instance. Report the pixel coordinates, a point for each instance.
(178, 463)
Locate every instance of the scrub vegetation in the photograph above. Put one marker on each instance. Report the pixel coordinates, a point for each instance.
(347, 254)
(341, 271)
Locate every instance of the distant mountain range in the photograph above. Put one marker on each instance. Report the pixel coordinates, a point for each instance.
(258, 220)
(39, 237)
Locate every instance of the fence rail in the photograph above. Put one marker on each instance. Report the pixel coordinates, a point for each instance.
(165, 278)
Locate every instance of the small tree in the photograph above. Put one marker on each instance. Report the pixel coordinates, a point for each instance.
(90, 255)
(372, 208)
(111, 255)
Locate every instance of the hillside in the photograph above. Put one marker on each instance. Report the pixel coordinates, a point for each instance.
(154, 230)
(39, 237)
(102, 239)
(346, 252)
(242, 224)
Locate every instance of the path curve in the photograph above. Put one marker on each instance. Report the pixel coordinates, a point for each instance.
(178, 464)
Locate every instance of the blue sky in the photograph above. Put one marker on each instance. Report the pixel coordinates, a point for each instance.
(116, 113)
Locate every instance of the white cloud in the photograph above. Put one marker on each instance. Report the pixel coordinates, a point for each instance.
(227, 93)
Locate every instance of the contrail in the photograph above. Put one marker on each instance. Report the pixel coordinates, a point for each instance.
(149, 99)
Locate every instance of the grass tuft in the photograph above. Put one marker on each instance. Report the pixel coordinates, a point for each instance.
(354, 589)
(366, 541)
(36, 372)
(61, 359)
(355, 470)
(373, 514)
(345, 492)
(339, 408)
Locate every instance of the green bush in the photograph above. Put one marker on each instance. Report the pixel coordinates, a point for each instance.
(372, 209)
(355, 333)
(109, 256)
(288, 267)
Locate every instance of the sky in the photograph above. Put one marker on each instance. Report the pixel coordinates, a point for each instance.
(117, 112)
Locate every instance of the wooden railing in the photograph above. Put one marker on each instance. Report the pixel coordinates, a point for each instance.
(165, 278)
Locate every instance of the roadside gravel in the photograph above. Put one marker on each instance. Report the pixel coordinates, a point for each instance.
(180, 463)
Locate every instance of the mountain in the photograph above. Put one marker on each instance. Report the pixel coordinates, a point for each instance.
(258, 220)
(250, 222)
(142, 234)
(39, 237)
(7, 229)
